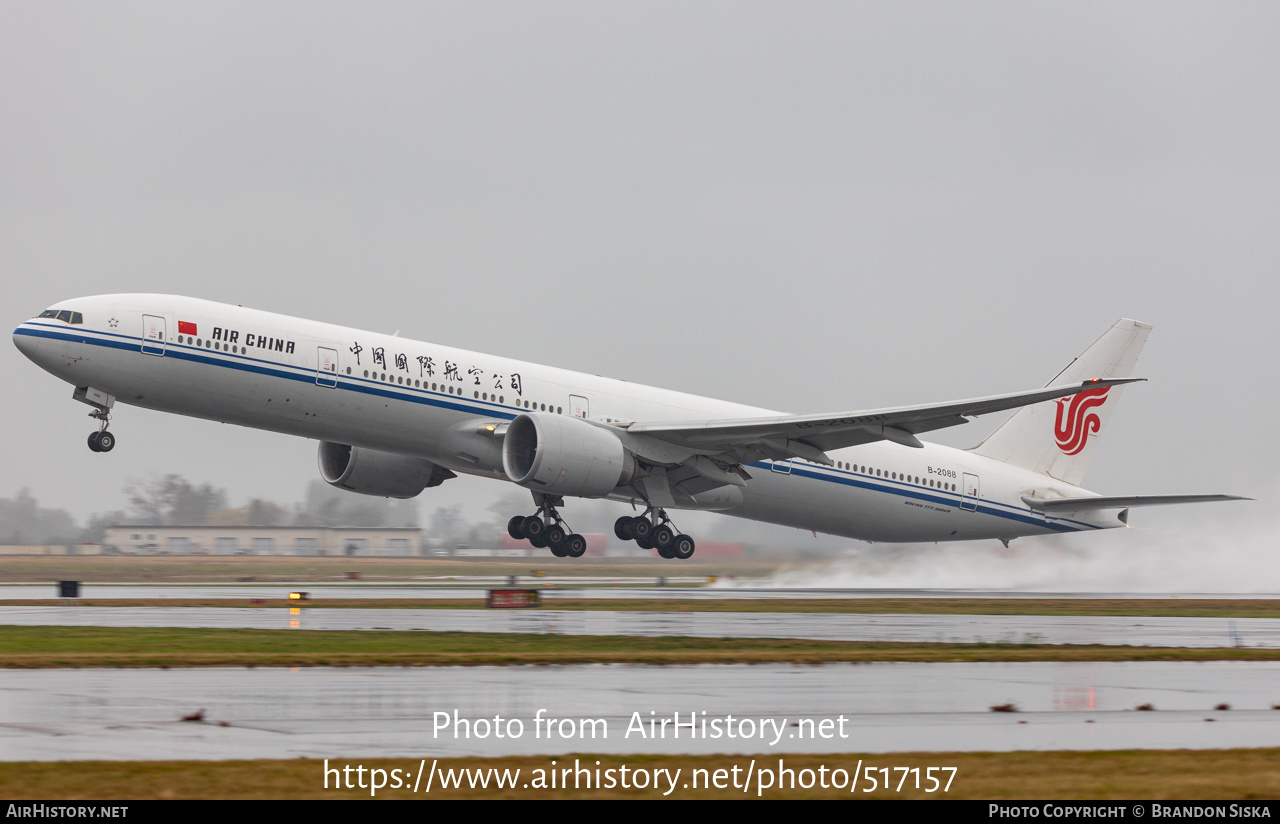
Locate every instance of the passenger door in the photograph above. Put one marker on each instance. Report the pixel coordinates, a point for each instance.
(327, 367)
(153, 329)
(970, 493)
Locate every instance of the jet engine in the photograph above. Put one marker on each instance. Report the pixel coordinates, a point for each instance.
(565, 456)
(384, 474)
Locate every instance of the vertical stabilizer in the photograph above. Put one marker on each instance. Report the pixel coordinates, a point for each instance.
(1058, 438)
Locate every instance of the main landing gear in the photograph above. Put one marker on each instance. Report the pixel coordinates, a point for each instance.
(546, 529)
(102, 440)
(654, 530)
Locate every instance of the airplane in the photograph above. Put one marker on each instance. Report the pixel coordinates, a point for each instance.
(395, 416)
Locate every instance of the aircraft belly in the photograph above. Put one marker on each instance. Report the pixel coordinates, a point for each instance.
(874, 514)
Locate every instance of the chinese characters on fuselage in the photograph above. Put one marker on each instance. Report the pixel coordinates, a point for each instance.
(427, 368)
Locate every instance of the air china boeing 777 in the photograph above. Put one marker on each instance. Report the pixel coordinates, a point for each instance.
(395, 416)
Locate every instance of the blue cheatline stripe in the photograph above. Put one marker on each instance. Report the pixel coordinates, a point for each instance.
(365, 386)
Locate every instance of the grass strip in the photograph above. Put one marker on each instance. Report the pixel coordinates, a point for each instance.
(1135, 607)
(32, 647)
(1131, 774)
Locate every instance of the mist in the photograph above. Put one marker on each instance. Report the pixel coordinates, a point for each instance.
(1204, 548)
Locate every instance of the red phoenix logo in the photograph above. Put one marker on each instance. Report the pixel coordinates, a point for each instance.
(1076, 419)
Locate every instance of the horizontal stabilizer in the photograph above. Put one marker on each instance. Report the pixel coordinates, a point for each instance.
(1121, 501)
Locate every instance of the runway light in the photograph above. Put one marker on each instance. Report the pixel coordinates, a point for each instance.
(299, 596)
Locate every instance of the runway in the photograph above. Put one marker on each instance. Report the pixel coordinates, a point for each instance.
(1010, 629)
(552, 588)
(326, 713)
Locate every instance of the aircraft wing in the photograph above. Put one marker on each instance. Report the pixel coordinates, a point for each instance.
(742, 440)
(1052, 505)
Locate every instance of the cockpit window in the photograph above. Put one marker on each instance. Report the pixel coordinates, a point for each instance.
(64, 315)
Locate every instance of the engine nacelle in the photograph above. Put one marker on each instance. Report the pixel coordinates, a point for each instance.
(378, 473)
(561, 455)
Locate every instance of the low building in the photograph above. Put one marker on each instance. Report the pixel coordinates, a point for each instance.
(51, 549)
(338, 541)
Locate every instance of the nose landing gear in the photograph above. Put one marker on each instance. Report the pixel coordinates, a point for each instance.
(102, 440)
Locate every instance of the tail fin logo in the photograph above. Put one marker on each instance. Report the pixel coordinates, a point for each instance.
(1076, 419)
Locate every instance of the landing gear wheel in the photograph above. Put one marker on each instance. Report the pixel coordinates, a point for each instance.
(575, 546)
(682, 547)
(663, 537)
(537, 541)
(555, 536)
(622, 528)
(534, 527)
(665, 552)
(641, 527)
(644, 543)
(559, 550)
(515, 527)
(106, 441)
(93, 441)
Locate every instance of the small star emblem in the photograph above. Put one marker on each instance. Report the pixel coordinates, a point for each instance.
(113, 323)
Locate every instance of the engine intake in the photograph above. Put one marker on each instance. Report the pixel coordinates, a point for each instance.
(384, 474)
(565, 456)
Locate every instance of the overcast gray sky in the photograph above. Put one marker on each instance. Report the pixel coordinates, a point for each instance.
(802, 206)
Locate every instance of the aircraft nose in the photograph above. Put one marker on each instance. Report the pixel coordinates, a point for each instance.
(26, 342)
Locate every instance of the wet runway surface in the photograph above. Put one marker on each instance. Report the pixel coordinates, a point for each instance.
(552, 587)
(318, 712)
(1019, 629)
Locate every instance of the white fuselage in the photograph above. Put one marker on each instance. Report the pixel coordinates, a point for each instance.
(396, 395)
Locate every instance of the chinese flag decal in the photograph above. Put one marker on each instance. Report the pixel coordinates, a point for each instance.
(185, 328)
